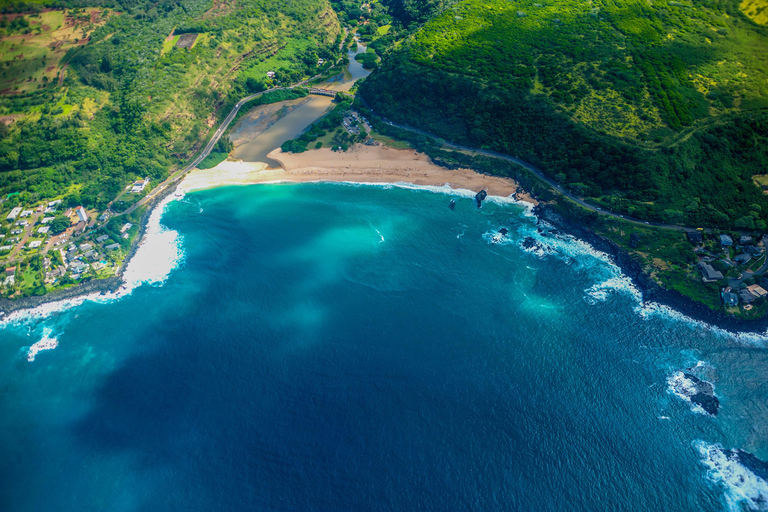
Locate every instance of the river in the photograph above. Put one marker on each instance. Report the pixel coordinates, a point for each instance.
(255, 137)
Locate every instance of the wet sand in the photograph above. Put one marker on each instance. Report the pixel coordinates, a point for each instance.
(361, 164)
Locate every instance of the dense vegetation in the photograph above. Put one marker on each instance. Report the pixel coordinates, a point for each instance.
(659, 111)
(134, 100)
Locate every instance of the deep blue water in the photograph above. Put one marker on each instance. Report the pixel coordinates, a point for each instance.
(333, 347)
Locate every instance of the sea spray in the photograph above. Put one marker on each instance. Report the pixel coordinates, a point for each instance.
(743, 487)
(47, 342)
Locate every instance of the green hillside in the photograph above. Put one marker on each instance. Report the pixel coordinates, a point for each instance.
(94, 98)
(658, 109)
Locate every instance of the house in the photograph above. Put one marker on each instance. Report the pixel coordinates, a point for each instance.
(112, 247)
(102, 238)
(695, 237)
(270, 74)
(22, 223)
(126, 227)
(103, 217)
(9, 271)
(43, 229)
(139, 186)
(54, 204)
(14, 213)
(17, 231)
(757, 290)
(743, 258)
(726, 241)
(46, 220)
(745, 239)
(754, 250)
(730, 299)
(6, 247)
(320, 62)
(746, 296)
(35, 244)
(27, 213)
(81, 214)
(79, 268)
(91, 255)
(98, 266)
(86, 247)
(709, 274)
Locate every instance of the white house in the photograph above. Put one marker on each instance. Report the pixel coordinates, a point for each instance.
(139, 186)
(27, 213)
(35, 244)
(270, 74)
(126, 227)
(81, 214)
(14, 213)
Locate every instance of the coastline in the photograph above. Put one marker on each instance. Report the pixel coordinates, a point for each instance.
(96, 287)
(361, 164)
(383, 165)
(649, 289)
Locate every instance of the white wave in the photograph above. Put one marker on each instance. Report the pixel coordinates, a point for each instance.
(445, 189)
(743, 487)
(684, 388)
(47, 342)
(494, 236)
(159, 253)
(615, 284)
(653, 309)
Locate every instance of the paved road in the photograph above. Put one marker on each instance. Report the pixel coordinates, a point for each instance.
(540, 174)
(175, 177)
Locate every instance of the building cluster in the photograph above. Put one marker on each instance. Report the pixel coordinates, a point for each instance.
(738, 264)
(75, 253)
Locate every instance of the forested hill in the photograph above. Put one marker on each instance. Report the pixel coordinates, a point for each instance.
(658, 109)
(97, 93)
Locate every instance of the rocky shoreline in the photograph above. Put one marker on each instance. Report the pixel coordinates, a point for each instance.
(650, 290)
(100, 286)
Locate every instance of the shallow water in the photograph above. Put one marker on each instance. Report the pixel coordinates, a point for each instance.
(299, 119)
(286, 128)
(338, 347)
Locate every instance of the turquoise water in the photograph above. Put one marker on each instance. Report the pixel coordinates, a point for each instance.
(338, 347)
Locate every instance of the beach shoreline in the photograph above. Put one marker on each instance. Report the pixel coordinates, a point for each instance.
(361, 164)
(381, 165)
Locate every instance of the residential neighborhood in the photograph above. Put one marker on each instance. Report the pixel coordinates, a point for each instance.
(736, 264)
(48, 245)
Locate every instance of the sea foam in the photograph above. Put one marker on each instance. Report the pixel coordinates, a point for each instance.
(726, 467)
(47, 342)
(684, 388)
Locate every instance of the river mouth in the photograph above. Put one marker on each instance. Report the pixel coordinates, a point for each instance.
(265, 128)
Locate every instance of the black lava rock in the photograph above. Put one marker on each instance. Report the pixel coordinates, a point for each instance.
(480, 197)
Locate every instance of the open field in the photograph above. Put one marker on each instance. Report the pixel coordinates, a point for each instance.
(31, 56)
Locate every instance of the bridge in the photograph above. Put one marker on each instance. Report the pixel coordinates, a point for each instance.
(322, 92)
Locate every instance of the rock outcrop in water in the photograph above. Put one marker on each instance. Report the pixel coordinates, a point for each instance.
(452, 204)
(704, 395)
(480, 197)
(695, 390)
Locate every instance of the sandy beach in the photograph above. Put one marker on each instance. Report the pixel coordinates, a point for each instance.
(361, 164)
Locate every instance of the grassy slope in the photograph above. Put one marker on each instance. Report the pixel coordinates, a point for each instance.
(129, 109)
(642, 107)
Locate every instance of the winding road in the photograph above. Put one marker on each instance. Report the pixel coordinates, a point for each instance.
(539, 174)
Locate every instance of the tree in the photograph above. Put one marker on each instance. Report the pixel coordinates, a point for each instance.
(59, 223)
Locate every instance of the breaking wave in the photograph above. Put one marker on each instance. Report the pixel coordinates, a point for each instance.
(47, 342)
(736, 471)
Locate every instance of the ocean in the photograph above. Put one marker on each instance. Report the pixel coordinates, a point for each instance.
(327, 347)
